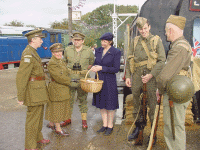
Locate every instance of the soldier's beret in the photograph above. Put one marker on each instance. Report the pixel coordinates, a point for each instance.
(34, 33)
(179, 21)
(56, 47)
(78, 36)
(141, 21)
(107, 36)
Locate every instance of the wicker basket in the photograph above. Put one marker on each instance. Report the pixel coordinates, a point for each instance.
(92, 87)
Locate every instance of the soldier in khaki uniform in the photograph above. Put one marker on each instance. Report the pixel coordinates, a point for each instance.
(178, 62)
(58, 109)
(31, 89)
(79, 59)
(146, 53)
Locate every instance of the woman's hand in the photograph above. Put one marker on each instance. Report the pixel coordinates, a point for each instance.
(96, 68)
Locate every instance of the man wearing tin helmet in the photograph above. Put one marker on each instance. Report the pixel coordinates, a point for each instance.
(31, 90)
(178, 62)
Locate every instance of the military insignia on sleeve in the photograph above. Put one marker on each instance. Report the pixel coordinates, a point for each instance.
(27, 60)
(27, 55)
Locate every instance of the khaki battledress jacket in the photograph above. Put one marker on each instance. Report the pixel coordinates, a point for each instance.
(59, 86)
(85, 57)
(58, 109)
(140, 55)
(32, 93)
(179, 58)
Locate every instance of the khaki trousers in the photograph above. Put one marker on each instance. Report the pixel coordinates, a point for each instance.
(81, 96)
(151, 92)
(179, 121)
(33, 126)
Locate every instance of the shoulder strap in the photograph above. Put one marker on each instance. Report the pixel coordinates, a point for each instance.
(35, 56)
(184, 44)
(145, 47)
(136, 41)
(154, 42)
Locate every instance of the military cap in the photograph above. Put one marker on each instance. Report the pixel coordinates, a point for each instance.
(179, 21)
(34, 33)
(56, 47)
(141, 21)
(78, 36)
(107, 36)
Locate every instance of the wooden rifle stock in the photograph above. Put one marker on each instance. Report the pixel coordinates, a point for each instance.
(155, 124)
(143, 121)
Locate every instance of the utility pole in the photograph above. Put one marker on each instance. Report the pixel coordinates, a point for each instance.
(70, 19)
(115, 27)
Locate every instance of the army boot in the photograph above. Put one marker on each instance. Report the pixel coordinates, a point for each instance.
(137, 135)
(84, 120)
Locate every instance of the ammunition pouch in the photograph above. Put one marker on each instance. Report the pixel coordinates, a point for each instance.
(142, 63)
(131, 63)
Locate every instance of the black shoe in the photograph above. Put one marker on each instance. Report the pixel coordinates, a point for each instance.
(108, 131)
(154, 142)
(134, 135)
(102, 129)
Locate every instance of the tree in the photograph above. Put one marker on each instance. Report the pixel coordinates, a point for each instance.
(102, 16)
(63, 25)
(15, 23)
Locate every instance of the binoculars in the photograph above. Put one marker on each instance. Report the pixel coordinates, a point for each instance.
(77, 67)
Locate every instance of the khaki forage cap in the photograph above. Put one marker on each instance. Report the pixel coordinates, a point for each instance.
(141, 21)
(78, 36)
(56, 47)
(179, 21)
(34, 33)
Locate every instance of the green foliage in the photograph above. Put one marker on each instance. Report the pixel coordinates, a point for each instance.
(15, 23)
(90, 39)
(98, 17)
(102, 16)
(63, 25)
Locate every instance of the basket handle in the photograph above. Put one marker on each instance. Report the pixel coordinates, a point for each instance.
(88, 72)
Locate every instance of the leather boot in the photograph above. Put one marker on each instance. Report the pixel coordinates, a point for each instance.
(134, 134)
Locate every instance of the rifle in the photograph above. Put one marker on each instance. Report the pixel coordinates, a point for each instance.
(155, 124)
(143, 111)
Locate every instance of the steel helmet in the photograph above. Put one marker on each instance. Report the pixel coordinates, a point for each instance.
(180, 89)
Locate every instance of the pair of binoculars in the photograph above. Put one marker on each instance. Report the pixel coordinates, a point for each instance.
(77, 67)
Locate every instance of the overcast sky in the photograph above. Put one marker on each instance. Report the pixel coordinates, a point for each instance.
(42, 12)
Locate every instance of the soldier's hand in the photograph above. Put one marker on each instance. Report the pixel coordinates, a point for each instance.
(128, 82)
(20, 102)
(146, 78)
(89, 67)
(157, 95)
